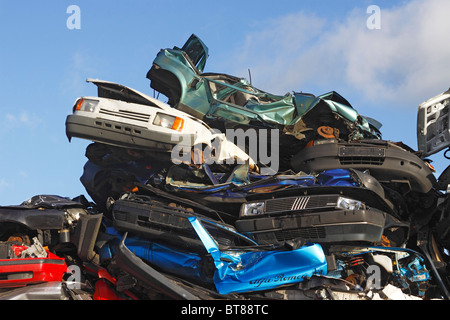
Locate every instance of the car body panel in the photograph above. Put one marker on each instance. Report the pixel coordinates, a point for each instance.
(41, 212)
(53, 290)
(387, 162)
(433, 131)
(319, 226)
(197, 52)
(244, 271)
(17, 272)
(143, 272)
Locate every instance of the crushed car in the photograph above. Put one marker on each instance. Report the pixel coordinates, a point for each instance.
(226, 101)
(121, 116)
(348, 215)
(42, 241)
(231, 269)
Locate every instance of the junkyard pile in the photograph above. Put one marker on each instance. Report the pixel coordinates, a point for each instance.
(229, 192)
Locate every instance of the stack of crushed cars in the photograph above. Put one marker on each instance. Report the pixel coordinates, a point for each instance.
(334, 212)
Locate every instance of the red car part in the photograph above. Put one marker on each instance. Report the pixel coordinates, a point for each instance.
(21, 272)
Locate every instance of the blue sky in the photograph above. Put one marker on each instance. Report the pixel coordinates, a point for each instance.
(310, 46)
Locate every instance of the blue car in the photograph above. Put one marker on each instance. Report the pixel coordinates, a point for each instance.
(230, 270)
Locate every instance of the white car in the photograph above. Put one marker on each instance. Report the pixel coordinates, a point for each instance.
(124, 117)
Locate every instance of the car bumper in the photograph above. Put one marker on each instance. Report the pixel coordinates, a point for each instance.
(320, 227)
(122, 135)
(386, 162)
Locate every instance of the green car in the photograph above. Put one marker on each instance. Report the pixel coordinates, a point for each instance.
(224, 101)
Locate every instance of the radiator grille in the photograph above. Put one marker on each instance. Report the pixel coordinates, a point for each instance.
(284, 235)
(127, 114)
(300, 203)
(361, 156)
(307, 233)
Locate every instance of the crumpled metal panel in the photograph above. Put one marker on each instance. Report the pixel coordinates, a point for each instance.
(254, 270)
(187, 265)
(240, 270)
(245, 182)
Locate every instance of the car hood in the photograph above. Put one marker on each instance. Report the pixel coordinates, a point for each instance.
(336, 104)
(112, 90)
(117, 91)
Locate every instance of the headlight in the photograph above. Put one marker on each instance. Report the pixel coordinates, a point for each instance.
(167, 121)
(85, 105)
(251, 209)
(349, 204)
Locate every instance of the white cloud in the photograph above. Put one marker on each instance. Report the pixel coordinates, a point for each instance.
(271, 51)
(20, 119)
(77, 70)
(23, 174)
(3, 183)
(406, 61)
